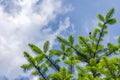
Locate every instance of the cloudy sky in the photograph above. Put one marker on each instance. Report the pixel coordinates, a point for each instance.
(35, 21)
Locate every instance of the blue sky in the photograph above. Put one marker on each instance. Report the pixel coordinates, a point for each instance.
(35, 21)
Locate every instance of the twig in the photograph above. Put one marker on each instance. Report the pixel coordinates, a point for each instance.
(101, 33)
(57, 67)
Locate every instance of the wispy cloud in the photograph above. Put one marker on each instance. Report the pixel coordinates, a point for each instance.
(23, 24)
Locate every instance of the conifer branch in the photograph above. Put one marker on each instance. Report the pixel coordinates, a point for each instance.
(57, 67)
(86, 45)
(81, 54)
(97, 65)
(98, 60)
(111, 71)
(43, 75)
(101, 33)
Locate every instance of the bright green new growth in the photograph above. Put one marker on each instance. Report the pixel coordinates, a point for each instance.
(66, 62)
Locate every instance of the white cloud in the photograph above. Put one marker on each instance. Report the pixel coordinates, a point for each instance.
(22, 26)
(35, 78)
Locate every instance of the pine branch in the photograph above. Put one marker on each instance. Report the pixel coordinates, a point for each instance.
(111, 72)
(57, 67)
(81, 54)
(101, 33)
(98, 60)
(87, 46)
(43, 75)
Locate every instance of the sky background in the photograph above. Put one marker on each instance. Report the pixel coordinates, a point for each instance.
(35, 21)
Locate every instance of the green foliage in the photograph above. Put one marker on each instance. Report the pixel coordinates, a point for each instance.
(46, 46)
(35, 73)
(62, 75)
(119, 39)
(71, 39)
(100, 17)
(87, 59)
(35, 49)
(63, 40)
(112, 21)
(110, 13)
(55, 52)
(27, 66)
